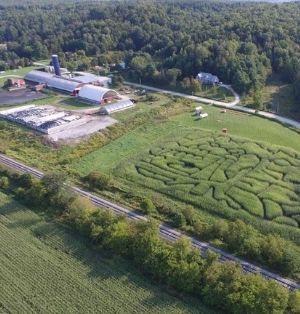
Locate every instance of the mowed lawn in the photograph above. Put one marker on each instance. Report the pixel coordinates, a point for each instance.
(239, 124)
(17, 72)
(47, 269)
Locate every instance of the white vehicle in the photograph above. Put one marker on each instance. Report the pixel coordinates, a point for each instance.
(203, 115)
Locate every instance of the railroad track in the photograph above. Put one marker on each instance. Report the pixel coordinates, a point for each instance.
(166, 231)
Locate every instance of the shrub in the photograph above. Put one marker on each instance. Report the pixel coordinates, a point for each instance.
(147, 206)
(98, 180)
(4, 183)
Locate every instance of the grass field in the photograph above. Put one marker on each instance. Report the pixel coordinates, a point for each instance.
(17, 72)
(48, 269)
(217, 92)
(240, 124)
(222, 174)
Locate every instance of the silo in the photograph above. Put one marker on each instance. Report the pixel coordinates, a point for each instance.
(55, 63)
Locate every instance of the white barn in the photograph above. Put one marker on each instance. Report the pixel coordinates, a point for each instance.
(97, 94)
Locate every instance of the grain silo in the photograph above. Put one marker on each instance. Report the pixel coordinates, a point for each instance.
(56, 65)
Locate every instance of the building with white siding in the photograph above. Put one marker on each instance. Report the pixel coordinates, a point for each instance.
(207, 78)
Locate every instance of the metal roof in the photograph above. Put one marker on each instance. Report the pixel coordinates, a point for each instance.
(96, 93)
(38, 76)
(85, 77)
(52, 80)
(63, 84)
(117, 106)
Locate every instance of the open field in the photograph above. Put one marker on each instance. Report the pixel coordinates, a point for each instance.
(240, 124)
(73, 103)
(48, 269)
(224, 175)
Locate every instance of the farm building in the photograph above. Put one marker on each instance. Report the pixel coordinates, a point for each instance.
(52, 81)
(15, 84)
(45, 119)
(97, 94)
(207, 78)
(89, 78)
(39, 77)
(67, 82)
(117, 106)
(64, 85)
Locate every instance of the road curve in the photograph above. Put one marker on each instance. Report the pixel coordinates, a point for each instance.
(195, 98)
(234, 105)
(166, 231)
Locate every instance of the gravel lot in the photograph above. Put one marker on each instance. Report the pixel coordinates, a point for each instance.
(90, 125)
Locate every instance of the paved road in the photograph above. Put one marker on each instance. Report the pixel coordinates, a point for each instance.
(232, 105)
(195, 98)
(270, 115)
(166, 231)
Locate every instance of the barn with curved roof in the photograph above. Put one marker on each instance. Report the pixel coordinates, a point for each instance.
(97, 94)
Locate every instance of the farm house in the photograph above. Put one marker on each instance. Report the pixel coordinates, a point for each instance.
(207, 78)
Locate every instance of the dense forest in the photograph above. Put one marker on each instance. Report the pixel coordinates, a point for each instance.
(243, 43)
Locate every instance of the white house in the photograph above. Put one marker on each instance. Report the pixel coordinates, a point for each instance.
(207, 78)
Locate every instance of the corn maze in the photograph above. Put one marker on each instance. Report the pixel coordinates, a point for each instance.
(226, 174)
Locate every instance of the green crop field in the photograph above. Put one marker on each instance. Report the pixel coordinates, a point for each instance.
(47, 269)
(222, 174)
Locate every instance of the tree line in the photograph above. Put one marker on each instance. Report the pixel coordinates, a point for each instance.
(161, 42)
(223, 286)
(235, 236)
